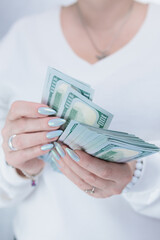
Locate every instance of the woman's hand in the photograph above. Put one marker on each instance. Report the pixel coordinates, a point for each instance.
(34, 132)
(87, 172)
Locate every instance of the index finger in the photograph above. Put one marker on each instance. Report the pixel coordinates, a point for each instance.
(106, 170)
(26, 109)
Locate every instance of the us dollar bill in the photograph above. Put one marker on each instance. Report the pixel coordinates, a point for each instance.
(77, 107)
(107, 145)
(56, 86)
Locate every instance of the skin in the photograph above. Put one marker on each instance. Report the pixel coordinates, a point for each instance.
(31, 128)
(103, 18)
(108, 178)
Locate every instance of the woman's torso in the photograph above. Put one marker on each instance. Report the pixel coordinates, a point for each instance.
(127, 85)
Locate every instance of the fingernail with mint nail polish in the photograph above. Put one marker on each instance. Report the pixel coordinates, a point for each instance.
(54, 134)
(46, 111)
(72, 154)
(55, 155)
(47, 147)
(56, 163)
(55, 166)
(59, 149)
(56, 122)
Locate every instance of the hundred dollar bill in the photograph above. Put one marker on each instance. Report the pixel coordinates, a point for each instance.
(73, 136)
(120, 152)
(77, 107)
(105, 145)
(56, 86)
(68, 131)
(124, 138)
(96, 142)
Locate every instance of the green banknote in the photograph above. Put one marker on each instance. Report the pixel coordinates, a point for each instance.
(77, 107)
(120, 152)
(106, 144)
(87, 123)
(56, 86)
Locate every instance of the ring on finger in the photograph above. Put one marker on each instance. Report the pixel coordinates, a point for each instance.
(10, 145)
(90, 190)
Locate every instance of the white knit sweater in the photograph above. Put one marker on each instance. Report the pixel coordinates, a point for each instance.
(128, 85)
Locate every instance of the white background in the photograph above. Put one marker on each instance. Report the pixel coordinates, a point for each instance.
(10, 11)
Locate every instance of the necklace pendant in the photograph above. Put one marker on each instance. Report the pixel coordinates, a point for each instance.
(102, 56)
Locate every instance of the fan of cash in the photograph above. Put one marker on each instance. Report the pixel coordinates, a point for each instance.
(86, 126)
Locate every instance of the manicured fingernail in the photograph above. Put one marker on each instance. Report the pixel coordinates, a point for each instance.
(46, 111)
(47, 147)
(55, 166)
(55, 154)
(56, 163)
(54, 134)
(56, 122)
(59, 149)
(72, 154)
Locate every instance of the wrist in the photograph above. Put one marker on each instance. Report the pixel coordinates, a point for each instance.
(137, 173)
(24, 173)
(32, 177)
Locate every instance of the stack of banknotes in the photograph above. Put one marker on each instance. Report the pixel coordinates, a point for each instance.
(86, 126)
(106, 144)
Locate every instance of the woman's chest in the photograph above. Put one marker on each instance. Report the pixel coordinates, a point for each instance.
(132, 95)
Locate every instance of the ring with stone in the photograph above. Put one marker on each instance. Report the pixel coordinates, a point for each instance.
(10, 145)
(90, 190)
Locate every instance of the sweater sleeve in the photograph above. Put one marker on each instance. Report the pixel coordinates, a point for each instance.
(13, 188)
(144, 197)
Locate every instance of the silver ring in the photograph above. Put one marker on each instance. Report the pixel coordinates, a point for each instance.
(90, 190)
(10, 143)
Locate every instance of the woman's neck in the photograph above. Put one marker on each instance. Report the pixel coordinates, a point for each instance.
(103, 14)
(104, 19)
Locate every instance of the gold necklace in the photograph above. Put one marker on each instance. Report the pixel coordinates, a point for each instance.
(104, 53)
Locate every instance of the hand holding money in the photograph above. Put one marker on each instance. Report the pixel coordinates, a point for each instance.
(86, 171)
(33, 128)
(86, 123)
